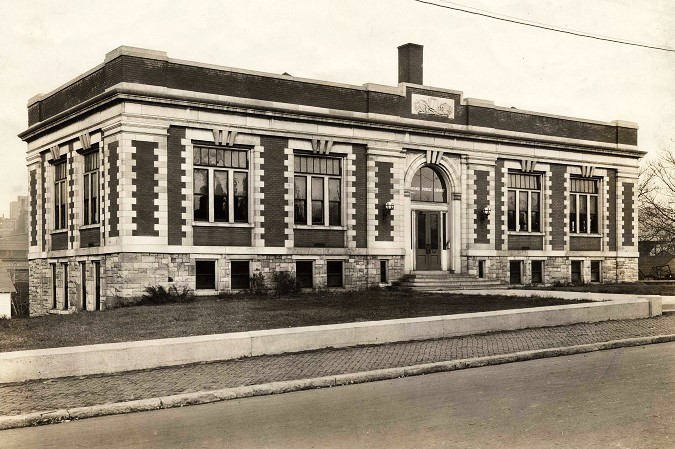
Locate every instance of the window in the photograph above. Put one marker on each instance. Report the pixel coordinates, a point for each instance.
(583, 206)
(304, 274)
(240, 275)
(83, 284)
(220, 185)
(91, 188)
(515, 276)
(54, 294)
(383, 272)
(595, 271)
(97, 285)
(524, 200)
(427, 185)
(66, 304)
(481, 269)
(334, 273)
(319, 180)
(537, 271)
(205, 275)
(60, 195)
(576, 277)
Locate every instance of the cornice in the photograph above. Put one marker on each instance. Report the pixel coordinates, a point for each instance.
(161, 95)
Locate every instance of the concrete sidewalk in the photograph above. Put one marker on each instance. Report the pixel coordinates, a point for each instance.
(27, 403)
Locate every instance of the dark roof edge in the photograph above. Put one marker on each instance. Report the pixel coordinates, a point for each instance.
(134, 92)
(399, 90)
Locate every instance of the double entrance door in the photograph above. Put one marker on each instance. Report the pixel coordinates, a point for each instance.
(428, 245)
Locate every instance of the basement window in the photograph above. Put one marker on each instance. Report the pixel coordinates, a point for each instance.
(515, 272)
(304, 273)
(239, 276)
(595, 271)
(576, 277)
(205, 274)
(383, 272)
(334, 273)
(537, 271)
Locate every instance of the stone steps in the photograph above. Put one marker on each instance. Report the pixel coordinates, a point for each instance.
(445, 281)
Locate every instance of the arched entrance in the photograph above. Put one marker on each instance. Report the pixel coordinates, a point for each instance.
(429, 207)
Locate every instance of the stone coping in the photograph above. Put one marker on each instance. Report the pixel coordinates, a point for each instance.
(18, 366)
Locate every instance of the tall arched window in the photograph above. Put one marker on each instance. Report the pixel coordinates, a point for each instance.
(428, 185)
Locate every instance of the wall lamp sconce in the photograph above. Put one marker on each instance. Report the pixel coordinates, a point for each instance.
(485, 212)
(389, 206)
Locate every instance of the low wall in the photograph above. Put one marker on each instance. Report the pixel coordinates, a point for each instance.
(19, 366)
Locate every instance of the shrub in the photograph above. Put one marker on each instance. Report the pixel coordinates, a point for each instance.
(159, 295)
(257, 284)
(285, 283)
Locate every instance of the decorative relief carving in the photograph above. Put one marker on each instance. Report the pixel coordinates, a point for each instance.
(424, 104)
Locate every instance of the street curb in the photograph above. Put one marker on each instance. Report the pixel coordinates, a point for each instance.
(205, 397)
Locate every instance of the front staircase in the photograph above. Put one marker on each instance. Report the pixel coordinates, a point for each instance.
(442, 281)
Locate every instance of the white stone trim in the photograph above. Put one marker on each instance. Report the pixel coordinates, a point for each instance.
(289, 194)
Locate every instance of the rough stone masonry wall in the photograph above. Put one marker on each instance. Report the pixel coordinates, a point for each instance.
(126, 275)
(39, 287)
(557, 269)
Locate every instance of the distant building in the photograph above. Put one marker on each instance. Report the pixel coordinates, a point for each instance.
(6, 291)
(18, 211)
(14, 257)
(149, 170)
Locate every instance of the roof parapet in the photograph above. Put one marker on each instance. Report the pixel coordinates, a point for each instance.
(624, 124)
(135, 51)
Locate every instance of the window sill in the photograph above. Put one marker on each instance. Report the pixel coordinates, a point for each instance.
(91, 226)
(526, 233)
(323, 227)
(221, 224)
(585, 235)
(59, 231)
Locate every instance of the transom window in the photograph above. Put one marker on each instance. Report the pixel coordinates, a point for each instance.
(60, 195)
(583, 206)
(220, 185)
(427, 185)
(91, 188)
(318, 190)
(524, 202)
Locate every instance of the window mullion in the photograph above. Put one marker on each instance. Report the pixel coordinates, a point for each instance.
(576, 199)
(529, 211)
(87, 204)
(517, 210)
(230, 196)
(588, 213)
(308, 200)
(211, 186)
(326, 202)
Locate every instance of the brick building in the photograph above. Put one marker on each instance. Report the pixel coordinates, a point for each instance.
(148, 170)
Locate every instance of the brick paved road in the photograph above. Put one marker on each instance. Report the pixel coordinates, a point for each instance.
(92, 390)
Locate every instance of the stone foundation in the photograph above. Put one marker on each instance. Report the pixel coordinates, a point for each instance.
(126, 275)
(556, 269)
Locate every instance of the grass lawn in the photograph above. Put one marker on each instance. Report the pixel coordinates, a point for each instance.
(240, 313)
(632, 288)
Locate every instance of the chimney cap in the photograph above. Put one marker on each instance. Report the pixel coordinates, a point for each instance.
(411, 44)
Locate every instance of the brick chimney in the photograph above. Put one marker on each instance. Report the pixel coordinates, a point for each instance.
(410, 61)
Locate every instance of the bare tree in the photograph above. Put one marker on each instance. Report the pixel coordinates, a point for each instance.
(656, 196)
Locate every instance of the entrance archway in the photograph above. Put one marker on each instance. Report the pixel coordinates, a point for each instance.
(428, 194)
(433, 205)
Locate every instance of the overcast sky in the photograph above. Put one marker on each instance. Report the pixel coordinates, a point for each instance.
(47, 43)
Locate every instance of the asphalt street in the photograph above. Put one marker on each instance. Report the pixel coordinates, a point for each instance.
(623, 398)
